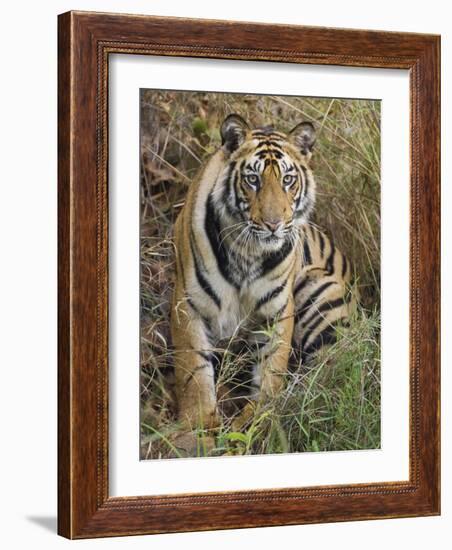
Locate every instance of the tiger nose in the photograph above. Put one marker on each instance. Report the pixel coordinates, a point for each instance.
(273, 225)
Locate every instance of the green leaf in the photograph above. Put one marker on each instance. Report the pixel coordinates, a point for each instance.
(199, 126)
(236, 436)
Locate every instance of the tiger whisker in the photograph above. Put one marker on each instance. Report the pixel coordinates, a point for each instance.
(231, 228)
(228, 235)
(234, 242)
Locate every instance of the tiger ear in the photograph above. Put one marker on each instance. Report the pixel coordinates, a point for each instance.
(303, 135)
(233, 132)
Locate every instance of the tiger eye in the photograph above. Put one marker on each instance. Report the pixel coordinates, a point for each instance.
(289, 179)
(252, 180)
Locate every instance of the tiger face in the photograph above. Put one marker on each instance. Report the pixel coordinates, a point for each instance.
(268, 184)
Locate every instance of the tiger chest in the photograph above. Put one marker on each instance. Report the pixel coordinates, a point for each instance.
(251, 305)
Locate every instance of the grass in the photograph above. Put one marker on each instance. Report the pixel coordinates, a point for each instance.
(335, 403)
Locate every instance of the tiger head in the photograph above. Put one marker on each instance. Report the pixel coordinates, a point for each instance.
(268, 183)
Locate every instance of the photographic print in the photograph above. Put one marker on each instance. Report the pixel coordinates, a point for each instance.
(260, 274)
(222, 311)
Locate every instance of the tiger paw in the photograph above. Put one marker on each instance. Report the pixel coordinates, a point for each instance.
(191, 419)
(192, 444)
(245, 417)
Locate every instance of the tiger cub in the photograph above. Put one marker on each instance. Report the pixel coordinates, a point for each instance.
(246, 256)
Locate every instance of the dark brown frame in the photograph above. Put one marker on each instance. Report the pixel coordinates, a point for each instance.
(85, 42)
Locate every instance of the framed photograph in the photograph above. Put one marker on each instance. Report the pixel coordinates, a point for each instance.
(248, 275)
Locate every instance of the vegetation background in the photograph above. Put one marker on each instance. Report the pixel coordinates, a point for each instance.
(333, 405)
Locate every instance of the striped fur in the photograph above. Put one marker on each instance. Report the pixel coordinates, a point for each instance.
(247, 257)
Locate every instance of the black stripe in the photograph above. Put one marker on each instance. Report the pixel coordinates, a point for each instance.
(260, 345)
(297, 200)
(229, 193)
(329, 265)
(275, 258)
(264, 153)
(304, 179)
(327, 336)
(269, 143)
(281, 310)
(300, 213)
(306, 252)
(310, 330)
(205, 355)
(237, 185)
(306, 204)
(311, 299)
(326, 306)
(202, 281)
(238, 197)
(266, 134)
(205, 320)
(334, 303)
(322, 244)
(303, 192)
(344, 266)
(227, 182)
(299, 287)
(270, 295)
(212, 227)
(313, 233)
(195, 250)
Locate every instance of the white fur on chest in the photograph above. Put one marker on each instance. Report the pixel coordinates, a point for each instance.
(230, 318)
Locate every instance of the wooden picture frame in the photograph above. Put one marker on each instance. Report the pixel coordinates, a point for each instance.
(85, 42)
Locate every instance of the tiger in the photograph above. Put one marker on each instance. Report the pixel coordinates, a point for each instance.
(247, 255)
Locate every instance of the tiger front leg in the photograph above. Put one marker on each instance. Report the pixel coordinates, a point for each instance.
(273, 347)
(194, 372)
(270, 370)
